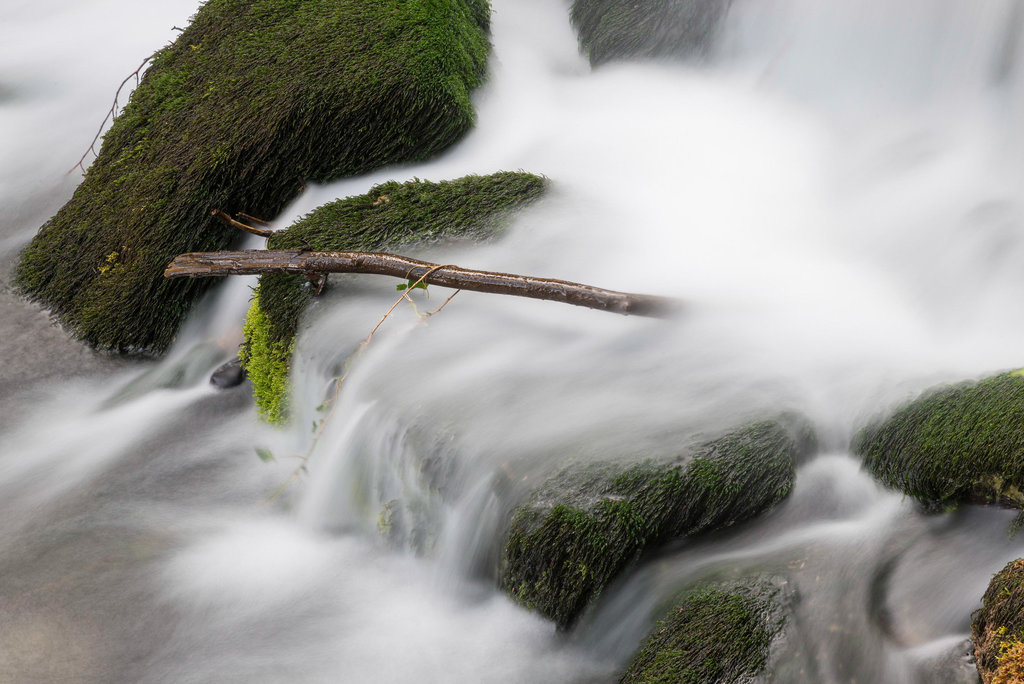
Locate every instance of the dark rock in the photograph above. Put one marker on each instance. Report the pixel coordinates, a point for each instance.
(956, 444)
(998, 629)
(230, 374)
(587, 524)
(253, 100)
(389, 217)
(628, 29)
(712, 634)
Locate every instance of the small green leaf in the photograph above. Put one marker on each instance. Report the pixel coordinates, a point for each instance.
(314, 427)
(401, 286)
(324, 406)
(265, 455)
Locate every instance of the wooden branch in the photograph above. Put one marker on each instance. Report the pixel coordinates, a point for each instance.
(259, 261)
(252, 219)
(228, 221)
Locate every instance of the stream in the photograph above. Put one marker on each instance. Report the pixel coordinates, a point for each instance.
(834, 193)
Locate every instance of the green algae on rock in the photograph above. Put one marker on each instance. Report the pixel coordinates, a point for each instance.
(389, 217)
(624, 29)
(254, 99)
(998, 627)
(713, 634)
(956, 444)
(587, 524)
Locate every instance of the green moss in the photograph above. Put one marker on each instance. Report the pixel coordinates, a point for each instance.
(266, 362)
(389, 217)
(998, 625)
(957, 444)
(713, 634)
(614, 29)
(584, 526)
(254, 98)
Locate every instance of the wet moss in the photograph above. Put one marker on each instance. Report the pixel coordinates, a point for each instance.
(391, 216)
(624, 29)
(586, 525)
(956, 444)
(998, 627)
(713, 634)
(254, 98)
(266, 362)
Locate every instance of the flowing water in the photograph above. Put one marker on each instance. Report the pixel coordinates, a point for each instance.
(835, 194)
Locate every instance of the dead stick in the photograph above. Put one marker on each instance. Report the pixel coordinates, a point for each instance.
(228, 221)
(253, 219)
(259, 261)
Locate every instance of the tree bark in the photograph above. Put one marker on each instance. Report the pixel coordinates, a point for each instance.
(254, 262)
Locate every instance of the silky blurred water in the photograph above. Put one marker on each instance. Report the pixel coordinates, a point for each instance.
(834, 195)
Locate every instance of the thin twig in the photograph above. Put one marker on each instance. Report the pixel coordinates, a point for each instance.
(431, 313)
(228, 221)
(111, 115)
(253, 219)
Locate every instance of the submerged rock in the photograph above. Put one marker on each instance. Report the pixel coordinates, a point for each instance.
(956, 444)
(998, 628)
(254, 99)
(389, 217)
(623, 29)
(587, 524)
(713, 634)
(228, 375)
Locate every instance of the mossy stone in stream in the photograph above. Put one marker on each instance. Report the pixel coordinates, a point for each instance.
(587, 524)
(254, 99)
(998, 628)
(627, 29)
(389, 217)
(713, 634)
(956, 444)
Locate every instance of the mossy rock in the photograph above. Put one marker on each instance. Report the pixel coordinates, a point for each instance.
(956, 444)
(624, 29)
(587, 524)
(713, 634)
(390, 217)
(998, 628)
(254, 99)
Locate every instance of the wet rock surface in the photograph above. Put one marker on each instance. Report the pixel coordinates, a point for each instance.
(586, 525)
(955, 444)
(228, 375)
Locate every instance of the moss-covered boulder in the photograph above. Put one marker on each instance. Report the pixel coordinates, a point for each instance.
(713, 634)
(254, 99)
(618, 29)
(585, 525)
(956, 444)
(390, 217)
(998, 628)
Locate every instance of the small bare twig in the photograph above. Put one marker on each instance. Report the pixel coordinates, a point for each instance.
(444, 304)
(224, 218)
(252, 219)
(111, 115)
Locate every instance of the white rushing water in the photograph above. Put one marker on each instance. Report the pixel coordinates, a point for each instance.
(836, 197)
